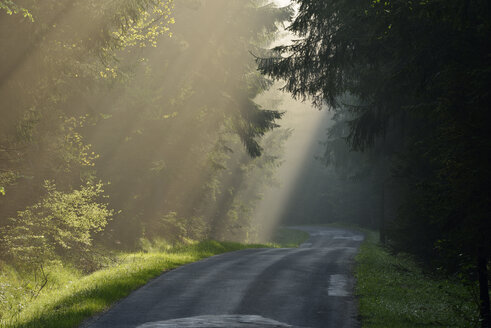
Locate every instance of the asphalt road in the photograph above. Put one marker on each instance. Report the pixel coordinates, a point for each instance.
(309, 286)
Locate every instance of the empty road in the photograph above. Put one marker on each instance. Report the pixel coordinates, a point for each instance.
(310, 286)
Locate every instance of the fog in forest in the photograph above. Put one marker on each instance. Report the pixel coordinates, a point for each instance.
(134, 125)
(301, 173)
(141, 113)
(164, 128)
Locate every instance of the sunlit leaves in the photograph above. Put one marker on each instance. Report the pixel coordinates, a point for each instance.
(59, 222)
(74, 150)
(151, 23)
(109, 72)
(10, 7)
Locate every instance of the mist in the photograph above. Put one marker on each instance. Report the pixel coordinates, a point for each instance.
(158, 114)
(148, 109)
(132, 126)
(162, 106)
(301, 174)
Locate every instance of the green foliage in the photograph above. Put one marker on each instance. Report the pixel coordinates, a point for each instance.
(148, 23)
(95, 90)
(191, 116)
(55, 70)
(67, 119)
(175, 229)
(99, 90)
(60, 225)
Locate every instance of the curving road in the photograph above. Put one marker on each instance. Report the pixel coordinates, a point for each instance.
(310, 286)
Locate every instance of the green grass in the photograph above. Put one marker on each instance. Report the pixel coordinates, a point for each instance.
(71, 297)
(394, 293)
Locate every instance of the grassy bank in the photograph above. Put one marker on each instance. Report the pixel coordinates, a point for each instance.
(69, 297)
(394, 292)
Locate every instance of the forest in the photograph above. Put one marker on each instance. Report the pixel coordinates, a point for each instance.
(134, 124)
(409, 86)
(127, 122)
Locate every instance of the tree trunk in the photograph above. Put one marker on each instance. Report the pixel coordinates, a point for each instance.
(482, 269)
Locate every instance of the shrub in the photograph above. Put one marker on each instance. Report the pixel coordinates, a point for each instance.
(60, 225)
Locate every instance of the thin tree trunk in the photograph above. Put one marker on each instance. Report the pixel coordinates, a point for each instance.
(482, 269)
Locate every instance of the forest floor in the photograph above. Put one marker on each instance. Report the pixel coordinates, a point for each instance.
(70, 296)
(395, 292)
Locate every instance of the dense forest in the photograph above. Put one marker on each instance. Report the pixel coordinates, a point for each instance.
(408, 82)
(123, 122)
(131, 119)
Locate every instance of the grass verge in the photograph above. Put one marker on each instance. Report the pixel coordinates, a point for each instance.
(71, 297)
(394, 292)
